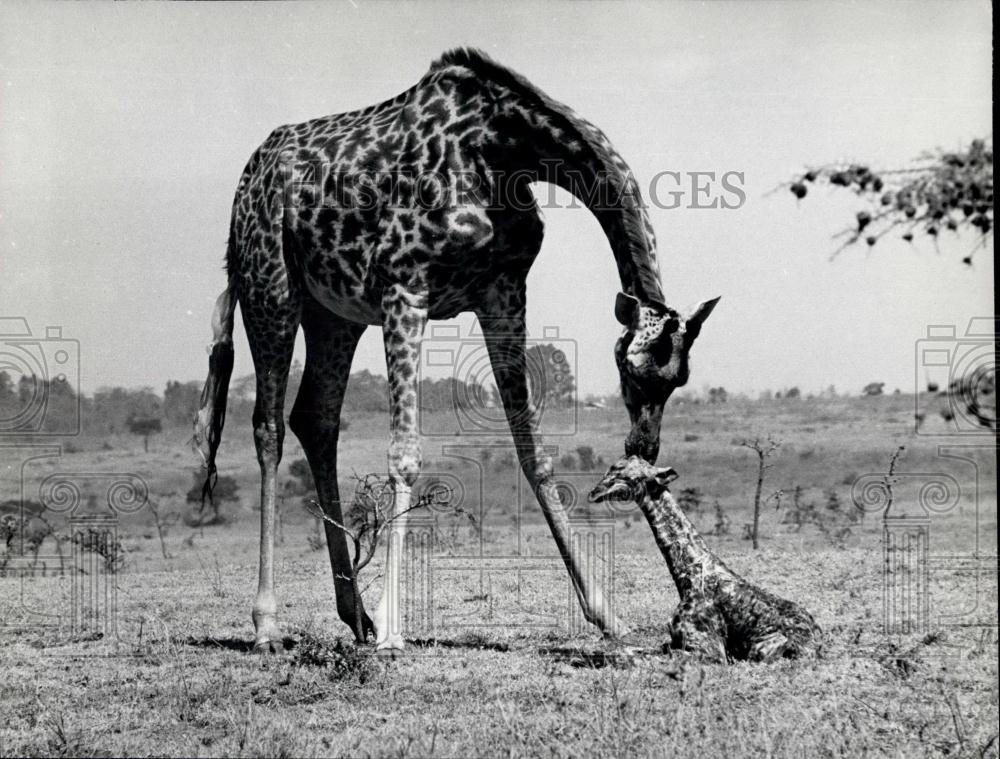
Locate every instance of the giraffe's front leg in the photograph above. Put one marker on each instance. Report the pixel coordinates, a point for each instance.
(405, 316)
(505, 341)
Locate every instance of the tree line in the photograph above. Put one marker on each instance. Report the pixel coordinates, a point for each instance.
(31, 404)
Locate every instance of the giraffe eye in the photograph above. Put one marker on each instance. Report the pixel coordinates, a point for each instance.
(662, 350)
(670, 326)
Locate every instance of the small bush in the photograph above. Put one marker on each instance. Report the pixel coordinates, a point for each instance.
(101, 543)
(587, 461)
(689, 499)
(303, 483)
(832, 501)
(339, 660)
(226, 488)
(721, 520)
(317, 539)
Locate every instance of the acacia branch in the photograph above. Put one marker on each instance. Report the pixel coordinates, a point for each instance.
(371, 526)
(889, 477)
(945, 192)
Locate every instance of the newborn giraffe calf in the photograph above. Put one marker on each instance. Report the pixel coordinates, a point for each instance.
(721, 616)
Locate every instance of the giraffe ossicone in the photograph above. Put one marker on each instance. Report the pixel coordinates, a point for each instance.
(420, 208)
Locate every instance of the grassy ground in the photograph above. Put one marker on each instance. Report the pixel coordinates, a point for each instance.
(498, 668)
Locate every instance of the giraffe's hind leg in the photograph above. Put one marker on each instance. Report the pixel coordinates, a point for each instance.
(271, 364)
(315, 420)
(699, 628)
(271, 313)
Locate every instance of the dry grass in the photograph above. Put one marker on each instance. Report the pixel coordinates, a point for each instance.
(497, 677)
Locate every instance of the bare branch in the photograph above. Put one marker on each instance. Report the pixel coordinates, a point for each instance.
(764, 450)
(313, 507)
(889, 478)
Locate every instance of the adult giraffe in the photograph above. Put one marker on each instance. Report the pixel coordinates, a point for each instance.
(413, 209)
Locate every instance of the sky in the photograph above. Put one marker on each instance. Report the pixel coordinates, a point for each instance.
(124, 129)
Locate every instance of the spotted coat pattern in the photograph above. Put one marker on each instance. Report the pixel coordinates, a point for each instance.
(419, 208)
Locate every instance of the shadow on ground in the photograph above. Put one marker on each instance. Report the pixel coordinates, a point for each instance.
(239, 645)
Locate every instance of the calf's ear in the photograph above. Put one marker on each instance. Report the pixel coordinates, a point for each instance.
(626, 307)
(666, 475)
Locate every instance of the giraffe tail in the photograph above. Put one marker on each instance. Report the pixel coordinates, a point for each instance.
(211, 414)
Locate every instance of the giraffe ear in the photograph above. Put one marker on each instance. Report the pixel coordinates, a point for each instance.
(702, 312)
(626, 307)
(666, 475)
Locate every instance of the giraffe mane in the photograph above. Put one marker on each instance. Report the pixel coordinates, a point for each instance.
(488, 70)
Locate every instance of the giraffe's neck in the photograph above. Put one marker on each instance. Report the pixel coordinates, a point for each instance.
(608, 188)
(688, 558)
(541, 139)
(553, 144)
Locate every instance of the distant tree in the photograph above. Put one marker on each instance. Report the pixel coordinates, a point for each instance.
(113, 408)
(717, 395)
(366, 392)
(550, 374)
(144, 427)
(587, 461)
(450, 393)
(793, 392)
(764, 449)
(944, 192)
(243, 388)
(38, 404)
(181, 401)
(7, 392)
(873, 388)
(302, 483)
(721, 520)
(224, 489)
(9, 404)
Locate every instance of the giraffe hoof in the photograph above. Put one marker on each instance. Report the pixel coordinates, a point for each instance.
(269, 646)
(390, 647)
(615, 630)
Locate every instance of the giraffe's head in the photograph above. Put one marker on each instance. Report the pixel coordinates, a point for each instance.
(629, 477)
(652, 357)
